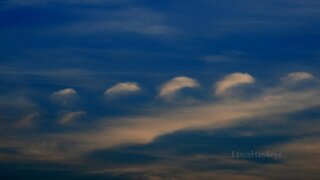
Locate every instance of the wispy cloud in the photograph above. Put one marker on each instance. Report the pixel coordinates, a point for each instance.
(231, 81)
(16, 101)
(27, 121)
(133, 20)
(298, 76)
(69, 117)
(296, 154)
(228, 56)
(178, 167)
(143, 129)
(123, 89)
(172, 87)
(75, 2)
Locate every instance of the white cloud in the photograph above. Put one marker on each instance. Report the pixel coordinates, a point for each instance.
(172, 87)
(65, 92)
(71, 116)
(231, 81)
(123, 88)
(297, 76)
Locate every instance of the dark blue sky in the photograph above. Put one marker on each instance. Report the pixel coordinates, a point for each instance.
(141, 89)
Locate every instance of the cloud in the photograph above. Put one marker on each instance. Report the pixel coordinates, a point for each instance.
(71, 116)
(169, 89)
(217, 58)
(123, 88)
(16, 101)
(143, 129)
(178, 167)
(231, 81)
(65, 97)
(75, 77)
(17, 105)
(132, 20)
(64, 93)
(27, 121)
(295, 154)
(297, 76)
(224, 57)
(72, 2)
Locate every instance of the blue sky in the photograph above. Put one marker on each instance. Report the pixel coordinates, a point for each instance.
(140, 89)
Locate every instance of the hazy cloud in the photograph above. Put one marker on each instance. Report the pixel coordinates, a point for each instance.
(48, 2)
(144, 129)
(132, 20)
(27, 121)
(297, 76)
(16, 101)
(224, 57)
(71, 116)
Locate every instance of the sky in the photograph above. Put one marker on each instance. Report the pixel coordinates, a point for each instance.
(141, 89)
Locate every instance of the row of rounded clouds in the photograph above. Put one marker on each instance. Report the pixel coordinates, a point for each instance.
(272, 102)
(169, 89)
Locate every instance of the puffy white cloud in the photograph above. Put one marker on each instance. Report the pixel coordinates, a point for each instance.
(123, 88)
(64, 92)
(170, 88)
(297, 76)
(71, 116)
(232, 81)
